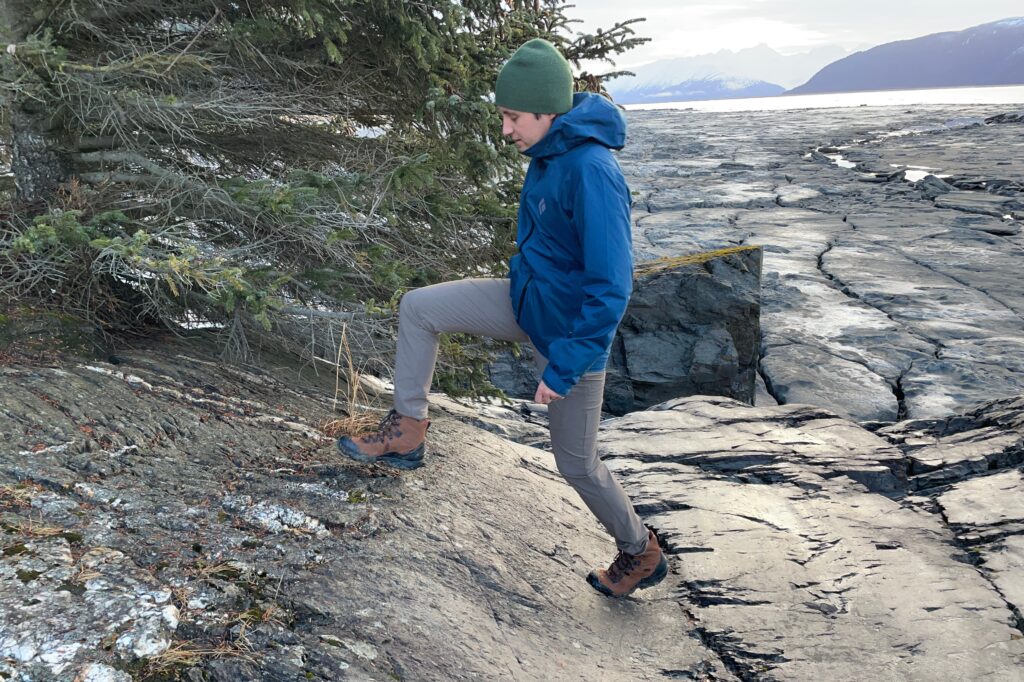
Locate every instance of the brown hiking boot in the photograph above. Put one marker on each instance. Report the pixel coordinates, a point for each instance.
(398, 442)
(629, 572)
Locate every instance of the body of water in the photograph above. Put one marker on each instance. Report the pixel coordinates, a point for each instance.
(1008, 94)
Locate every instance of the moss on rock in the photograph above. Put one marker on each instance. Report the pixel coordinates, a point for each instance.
(670, 262)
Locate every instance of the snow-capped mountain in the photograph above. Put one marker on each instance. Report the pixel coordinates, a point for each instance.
(697, 89)
(754, 72)
(989, 54)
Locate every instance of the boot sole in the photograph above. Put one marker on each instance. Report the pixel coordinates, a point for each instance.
(405, 461)
(659, 573)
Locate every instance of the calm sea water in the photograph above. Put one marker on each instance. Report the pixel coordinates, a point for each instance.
(1010, 94)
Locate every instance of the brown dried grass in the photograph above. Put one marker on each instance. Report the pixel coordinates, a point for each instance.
(356, 418)
(19, 495)
(184, 654)
(32, 529)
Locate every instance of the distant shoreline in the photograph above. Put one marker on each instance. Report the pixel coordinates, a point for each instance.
(995, 94)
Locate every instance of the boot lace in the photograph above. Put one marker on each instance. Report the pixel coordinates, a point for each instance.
(387, 429)
(621, 566)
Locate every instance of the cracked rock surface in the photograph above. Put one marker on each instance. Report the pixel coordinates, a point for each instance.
(799, 555)
(169, 517)
(891, 244)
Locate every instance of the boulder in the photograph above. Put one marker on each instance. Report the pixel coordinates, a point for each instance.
(879, 300)
(516, 375)
(692, 327)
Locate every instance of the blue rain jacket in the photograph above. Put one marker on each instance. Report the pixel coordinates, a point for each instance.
(573, 275)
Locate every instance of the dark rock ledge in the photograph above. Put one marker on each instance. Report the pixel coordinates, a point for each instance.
(692, 327)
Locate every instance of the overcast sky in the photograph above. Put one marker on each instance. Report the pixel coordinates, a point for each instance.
(679, 28)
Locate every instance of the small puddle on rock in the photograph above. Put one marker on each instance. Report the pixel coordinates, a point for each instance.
(911, 174)
(914, 174)
(837, 159)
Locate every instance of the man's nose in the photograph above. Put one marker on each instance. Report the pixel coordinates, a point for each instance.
(506, 128)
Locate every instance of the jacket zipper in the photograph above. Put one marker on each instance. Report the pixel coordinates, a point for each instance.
(532, 226)
(522, 298)
(526, 238)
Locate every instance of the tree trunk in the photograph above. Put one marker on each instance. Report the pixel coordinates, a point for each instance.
(38, 162)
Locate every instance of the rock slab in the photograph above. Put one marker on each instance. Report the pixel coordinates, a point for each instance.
(797, 568)
(170, 505)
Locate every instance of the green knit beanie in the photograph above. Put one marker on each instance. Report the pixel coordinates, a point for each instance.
(536, 79)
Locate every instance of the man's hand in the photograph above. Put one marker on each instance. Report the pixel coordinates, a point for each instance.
(545, 395)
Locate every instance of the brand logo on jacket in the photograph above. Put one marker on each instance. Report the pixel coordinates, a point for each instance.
(542, 206)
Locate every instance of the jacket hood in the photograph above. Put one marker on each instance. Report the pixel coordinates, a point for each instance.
(592, 118)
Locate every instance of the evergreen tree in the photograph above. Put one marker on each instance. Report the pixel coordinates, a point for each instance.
(260, 164)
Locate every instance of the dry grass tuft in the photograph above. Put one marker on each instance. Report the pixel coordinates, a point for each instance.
(670, 262)
(83, 575)
(356, 420)
(350, 425)
(223, 570)
(185, 654)
(32, 529)
(19, 495)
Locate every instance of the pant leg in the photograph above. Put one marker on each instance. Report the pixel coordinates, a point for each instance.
(470, 306)
(574, 422)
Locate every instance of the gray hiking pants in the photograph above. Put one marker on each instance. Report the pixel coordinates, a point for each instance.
(482, 307)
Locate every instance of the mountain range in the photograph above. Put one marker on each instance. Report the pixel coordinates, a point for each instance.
(989, 54)
(753, 72)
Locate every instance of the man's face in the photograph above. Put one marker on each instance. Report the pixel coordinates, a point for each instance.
(524, 129)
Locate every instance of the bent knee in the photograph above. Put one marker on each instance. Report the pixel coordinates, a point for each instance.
(579, 469)
(412, 304)
(410, 300)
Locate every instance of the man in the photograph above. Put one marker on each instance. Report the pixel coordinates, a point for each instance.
(567, 290)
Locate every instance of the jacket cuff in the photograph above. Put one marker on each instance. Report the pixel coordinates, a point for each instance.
(556, 383)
